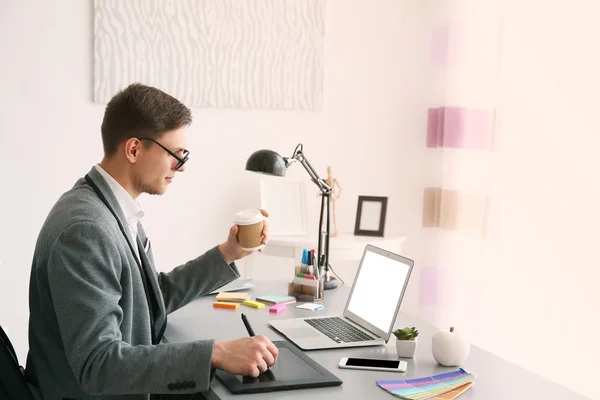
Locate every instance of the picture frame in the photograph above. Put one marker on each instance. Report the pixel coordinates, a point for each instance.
(285, 200)
(370, 216)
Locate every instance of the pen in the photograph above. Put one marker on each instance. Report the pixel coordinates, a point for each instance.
(310, 268)
(247, 324)
(304, 262)
(269, 373)
(321, 264)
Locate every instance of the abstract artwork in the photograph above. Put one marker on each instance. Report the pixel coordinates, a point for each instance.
(258, 54)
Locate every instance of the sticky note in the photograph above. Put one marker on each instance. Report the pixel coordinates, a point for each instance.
(224, 304)
(311, 306)
(277, 308)
(252, 303)
(231, 296)
(273, 298)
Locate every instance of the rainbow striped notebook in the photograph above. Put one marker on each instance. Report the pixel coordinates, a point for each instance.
(446, 386)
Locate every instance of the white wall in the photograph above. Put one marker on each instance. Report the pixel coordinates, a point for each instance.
(532, 294)
(370, 131)
(542, 269)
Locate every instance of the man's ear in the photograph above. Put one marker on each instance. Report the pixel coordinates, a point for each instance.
(131, 148)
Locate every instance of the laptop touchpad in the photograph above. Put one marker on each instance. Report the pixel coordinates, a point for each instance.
(301, 332)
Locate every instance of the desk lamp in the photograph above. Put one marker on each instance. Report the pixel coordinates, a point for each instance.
(270, 162)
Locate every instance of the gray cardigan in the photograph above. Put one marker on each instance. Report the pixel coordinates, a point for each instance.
(89, 326)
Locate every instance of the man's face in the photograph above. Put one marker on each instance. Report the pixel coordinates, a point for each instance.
(155, 168)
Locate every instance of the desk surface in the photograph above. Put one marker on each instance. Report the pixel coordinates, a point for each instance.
(497, 379)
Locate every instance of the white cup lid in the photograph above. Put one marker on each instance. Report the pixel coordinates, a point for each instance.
(249, 217)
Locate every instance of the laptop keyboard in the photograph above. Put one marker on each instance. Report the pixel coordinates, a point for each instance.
(338, 330)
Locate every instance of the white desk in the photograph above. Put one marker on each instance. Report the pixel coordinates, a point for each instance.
(345, 251)
(497, 379)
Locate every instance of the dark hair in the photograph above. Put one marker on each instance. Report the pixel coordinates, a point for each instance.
(140, 110)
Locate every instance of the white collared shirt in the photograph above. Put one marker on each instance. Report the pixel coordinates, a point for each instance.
(131, 209)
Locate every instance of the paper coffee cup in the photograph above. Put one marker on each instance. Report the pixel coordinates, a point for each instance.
(250, 224)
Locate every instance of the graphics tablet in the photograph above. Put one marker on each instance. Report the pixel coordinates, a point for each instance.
(293, 370)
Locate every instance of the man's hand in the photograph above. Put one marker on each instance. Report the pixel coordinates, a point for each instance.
(248, 356)
(231, 250)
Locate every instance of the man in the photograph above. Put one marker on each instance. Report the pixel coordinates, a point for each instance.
(97, 306)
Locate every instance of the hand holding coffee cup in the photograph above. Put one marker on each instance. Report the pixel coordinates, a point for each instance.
(251, 224)
(232, 249)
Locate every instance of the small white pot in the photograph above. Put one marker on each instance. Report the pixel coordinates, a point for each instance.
(406, 348)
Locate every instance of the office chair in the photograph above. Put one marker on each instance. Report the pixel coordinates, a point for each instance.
(13, 385)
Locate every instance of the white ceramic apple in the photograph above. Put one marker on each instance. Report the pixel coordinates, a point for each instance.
(449, 348)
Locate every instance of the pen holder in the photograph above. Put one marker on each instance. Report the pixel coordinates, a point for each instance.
(306, 288)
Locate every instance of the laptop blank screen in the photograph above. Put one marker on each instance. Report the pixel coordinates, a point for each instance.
(377, 289)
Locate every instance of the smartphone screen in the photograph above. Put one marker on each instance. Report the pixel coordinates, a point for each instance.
(365, 362)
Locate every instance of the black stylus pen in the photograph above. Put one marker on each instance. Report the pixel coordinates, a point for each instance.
(247, 324)
(251, 333)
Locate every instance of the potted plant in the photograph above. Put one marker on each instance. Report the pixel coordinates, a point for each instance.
(406, 342)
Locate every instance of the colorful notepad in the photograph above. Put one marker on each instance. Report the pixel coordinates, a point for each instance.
(311, 306)
(231, 296)
(276, 299)
(224, 304)
(430, 387)
(254, 304)
(277, 308)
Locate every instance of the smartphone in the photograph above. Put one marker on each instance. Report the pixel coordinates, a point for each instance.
(373, 364)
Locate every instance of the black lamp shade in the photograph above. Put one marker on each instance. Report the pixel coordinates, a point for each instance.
(266, 162)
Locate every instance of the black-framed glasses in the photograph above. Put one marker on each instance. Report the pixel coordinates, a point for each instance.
(180, 161)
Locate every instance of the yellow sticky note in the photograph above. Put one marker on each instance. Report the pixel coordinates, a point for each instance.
(252, 303)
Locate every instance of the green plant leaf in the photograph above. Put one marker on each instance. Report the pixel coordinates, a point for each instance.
(407, 333)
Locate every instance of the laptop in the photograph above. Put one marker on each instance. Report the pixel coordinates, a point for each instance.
(370, 312)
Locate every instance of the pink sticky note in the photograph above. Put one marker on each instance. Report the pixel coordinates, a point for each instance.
(277, 308)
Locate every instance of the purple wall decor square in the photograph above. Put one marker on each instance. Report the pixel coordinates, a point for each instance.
(459, 127)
